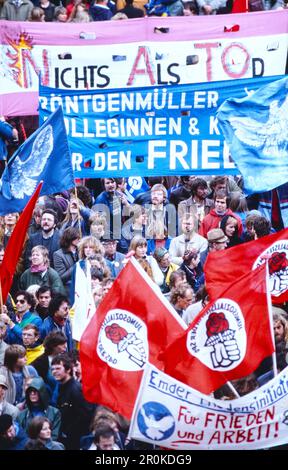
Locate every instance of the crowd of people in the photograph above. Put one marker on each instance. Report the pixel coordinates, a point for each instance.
(170, 230)
(97, 226)
(81, 11)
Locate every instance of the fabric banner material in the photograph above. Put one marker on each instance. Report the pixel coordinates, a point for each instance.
(132, 325)
(147, 131)
(171, 414)
(228, 339)
(15, 244)
(138, 53)
(84, 307)
(44, 156)
(256, 130)
(222, 268)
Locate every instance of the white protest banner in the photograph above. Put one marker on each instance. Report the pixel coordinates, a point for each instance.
(129, 54)
(170, 414)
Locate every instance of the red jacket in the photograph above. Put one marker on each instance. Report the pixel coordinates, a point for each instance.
(212, 220)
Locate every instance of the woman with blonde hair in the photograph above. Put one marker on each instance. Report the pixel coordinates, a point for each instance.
(73, 217)
(40, 272)
(157, 236)
(88, 248)
(98, 225)
(138, 247)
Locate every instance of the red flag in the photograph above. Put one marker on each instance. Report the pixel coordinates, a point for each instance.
(15, 245)
(223, 267)
(132, 325)
(227, 340)
(240, 6)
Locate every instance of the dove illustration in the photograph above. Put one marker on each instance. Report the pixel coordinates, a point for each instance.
(23, 174)
(272, 135)
(156, 429)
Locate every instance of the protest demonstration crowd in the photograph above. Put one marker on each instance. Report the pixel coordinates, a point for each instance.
(77, 11)
(102, 277)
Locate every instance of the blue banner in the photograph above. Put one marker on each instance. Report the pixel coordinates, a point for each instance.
(44, 156)
(256, 130)
(147, 131)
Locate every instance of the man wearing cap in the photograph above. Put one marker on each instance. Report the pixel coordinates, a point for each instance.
(217, 241)
(12, 436)
(162, 257)
(5, 407)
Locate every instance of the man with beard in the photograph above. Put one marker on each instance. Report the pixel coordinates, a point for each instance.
(280, 326)
(49, 236)
(198, 204)
(187, 241)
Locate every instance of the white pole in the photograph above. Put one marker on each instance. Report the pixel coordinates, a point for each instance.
(270, 314)
(233, 389)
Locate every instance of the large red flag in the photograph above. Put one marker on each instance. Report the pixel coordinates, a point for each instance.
(227, 340)
(223, 267)
(15, 245)
(131, 326)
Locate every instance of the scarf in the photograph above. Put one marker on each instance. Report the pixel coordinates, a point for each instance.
(59, 321)
(39, 268)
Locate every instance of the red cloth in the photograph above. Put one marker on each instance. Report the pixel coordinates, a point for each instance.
(15, 245)
(207, 355)
(114, 347)
(223, 267)
(212, 220)
(240, 6)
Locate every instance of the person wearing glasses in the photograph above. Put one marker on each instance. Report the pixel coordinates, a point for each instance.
(31, 338)
(24, 315)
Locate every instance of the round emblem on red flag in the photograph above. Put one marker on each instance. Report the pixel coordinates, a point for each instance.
(219, 338)
(122, 341)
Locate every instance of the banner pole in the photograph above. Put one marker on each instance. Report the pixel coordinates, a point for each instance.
(233, 389)
(78, 212)
(270, 314)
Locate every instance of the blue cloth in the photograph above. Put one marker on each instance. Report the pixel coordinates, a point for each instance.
(45, 155)
(255, 129)
(151, 245)
(100, 13)
(6, 133)
(136, 185)
(49, 325)
(14, 335)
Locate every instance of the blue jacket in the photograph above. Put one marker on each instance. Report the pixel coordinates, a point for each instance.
(19, 441)
(116, 265)
(6, 133)
(100, 13)
(14, 335)
(49, 325)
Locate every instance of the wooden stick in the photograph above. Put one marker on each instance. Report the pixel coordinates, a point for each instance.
(78, 212)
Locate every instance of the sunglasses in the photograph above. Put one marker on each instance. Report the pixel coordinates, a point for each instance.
(20, 301)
